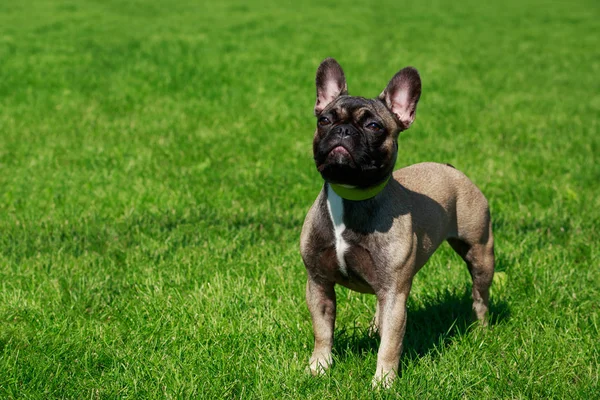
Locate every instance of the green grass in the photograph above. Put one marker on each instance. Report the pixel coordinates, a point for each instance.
(156, 167)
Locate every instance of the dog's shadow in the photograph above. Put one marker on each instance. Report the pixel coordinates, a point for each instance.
(429, 327)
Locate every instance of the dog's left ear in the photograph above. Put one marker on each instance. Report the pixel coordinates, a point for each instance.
(330, 82)
(402, 95)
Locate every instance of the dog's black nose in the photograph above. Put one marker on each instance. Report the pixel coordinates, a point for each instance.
(345, 131)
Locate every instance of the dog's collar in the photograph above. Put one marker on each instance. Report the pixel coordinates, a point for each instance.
(356, 194)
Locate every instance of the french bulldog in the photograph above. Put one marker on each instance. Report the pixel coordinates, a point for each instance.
(372, 228)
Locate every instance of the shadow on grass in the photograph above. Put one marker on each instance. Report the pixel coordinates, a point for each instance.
(429, 326)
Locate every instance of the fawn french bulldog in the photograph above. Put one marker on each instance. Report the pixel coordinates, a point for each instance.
(371, 229)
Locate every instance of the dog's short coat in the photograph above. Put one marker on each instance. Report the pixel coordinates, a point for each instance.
(378, 244)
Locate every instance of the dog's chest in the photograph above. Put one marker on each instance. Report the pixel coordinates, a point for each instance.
(335, 206)
(352, 262)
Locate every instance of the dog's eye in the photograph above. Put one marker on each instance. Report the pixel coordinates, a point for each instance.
(323, 121)
(374, 126)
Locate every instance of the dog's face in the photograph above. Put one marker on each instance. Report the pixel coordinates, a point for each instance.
(356, 138)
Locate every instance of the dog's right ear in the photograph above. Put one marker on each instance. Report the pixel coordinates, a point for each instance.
(331, 83)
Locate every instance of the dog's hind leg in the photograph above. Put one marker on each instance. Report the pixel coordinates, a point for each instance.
(374, 325)
(479, 258)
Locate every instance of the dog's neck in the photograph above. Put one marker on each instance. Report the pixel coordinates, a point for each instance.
(358, 194)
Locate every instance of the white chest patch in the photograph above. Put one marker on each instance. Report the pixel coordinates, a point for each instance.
(335, 205)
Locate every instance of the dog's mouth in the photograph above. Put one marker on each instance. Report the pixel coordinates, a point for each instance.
(338, 155)
(339, 151)
(352, 163)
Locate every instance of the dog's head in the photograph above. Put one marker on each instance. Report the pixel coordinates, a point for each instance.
(355, 141)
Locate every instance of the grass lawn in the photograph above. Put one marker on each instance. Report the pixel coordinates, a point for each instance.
(156, 167)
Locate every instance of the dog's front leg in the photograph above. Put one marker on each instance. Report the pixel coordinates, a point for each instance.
(320, 297)
(392, 324)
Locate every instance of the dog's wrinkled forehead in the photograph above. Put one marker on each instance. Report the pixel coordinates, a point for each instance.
(355, 108)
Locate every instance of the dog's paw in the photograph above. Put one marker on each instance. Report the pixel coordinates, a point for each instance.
(383, 380)
(319, 364)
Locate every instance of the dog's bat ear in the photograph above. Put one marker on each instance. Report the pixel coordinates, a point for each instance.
(402, 95)
(331, 83)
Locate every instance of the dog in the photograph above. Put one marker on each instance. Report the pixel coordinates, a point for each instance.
(371, 229)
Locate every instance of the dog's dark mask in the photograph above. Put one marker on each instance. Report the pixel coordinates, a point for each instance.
(356, 138)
